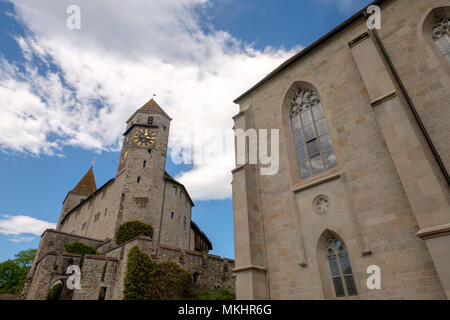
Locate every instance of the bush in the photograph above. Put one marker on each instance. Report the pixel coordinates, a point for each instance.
(137, 275)
(223, 294)
(131, 230)
(170, 282)
(55, 292)
(146, 279)
(80, 248)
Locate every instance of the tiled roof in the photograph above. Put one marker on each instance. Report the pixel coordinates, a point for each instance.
(151, 107)
(87, 184)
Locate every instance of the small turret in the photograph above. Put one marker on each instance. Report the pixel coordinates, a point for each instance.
(82, 190)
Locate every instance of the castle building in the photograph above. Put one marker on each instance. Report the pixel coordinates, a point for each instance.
(141, 191)
(362, 188)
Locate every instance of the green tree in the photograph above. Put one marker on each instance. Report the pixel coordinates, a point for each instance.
(14, 272)
(25, 258)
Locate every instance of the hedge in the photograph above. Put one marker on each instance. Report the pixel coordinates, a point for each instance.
(131, 230)
(147, 280)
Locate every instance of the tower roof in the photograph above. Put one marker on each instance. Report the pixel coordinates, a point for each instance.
(151, 107)
(87, 184)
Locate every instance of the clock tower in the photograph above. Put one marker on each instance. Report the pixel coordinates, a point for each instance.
(142, 166)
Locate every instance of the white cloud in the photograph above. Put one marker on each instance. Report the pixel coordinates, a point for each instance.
(125, 52)
(17, 225)
(21, 239)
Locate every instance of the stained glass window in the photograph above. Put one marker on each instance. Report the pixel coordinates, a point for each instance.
(341, 270)
(312, 140)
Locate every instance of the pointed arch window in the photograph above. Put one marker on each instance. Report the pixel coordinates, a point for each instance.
(341, 270)
(312, 140)
(441, 35)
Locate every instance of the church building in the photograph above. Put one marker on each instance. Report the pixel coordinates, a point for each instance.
(360, 205)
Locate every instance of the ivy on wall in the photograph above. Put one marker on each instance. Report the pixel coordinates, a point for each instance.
(80, 248)
(147, 280)
(131, 230)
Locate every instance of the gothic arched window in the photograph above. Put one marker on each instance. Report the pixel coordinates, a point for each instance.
(341, 270)
(312, 141)
(441, 35)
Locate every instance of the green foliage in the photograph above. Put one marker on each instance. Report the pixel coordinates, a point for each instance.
(13, 273)
(80, 248)
(137, 275)
(146, 279)
(133, 229)
(223, 294)
(170, 282)
(25, 258)
(55, 292)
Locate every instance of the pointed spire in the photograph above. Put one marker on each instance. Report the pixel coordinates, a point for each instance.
(87, 184)
(151, 107)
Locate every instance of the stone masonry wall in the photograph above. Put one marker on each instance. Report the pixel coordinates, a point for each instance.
(213, 271)
(365, 191)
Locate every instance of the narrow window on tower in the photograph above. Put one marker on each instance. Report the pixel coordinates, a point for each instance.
(138, 179)
(144, 164)
(174, 190)
(150, 120)
(96, 217)
(184, 223)
(171, 215)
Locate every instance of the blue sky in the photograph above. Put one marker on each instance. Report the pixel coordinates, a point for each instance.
(65, 95)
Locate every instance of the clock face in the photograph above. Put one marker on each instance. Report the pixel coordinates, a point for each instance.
(145, 137)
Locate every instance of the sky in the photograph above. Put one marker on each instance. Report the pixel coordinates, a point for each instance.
(65, 94)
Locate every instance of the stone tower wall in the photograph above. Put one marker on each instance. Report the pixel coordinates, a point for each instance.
(143, 200)
(174, 231)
